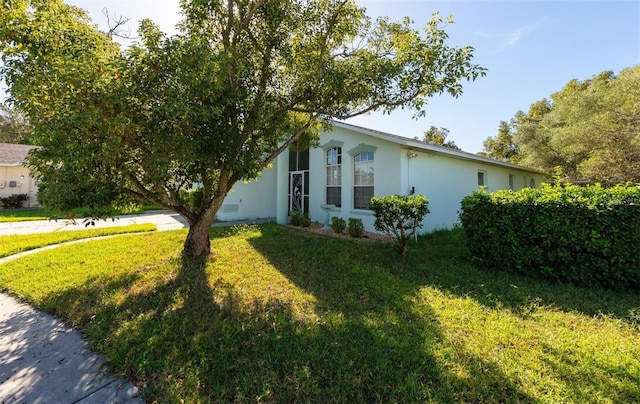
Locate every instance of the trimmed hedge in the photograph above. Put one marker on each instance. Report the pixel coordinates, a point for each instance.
(583, 235)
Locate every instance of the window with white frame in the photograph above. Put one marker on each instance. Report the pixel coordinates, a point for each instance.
(333, 170)
(363, 179)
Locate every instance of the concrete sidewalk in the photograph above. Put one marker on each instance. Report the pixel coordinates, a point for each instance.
(43, 361)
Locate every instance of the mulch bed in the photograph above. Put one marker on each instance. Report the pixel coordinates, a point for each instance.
(317, 228)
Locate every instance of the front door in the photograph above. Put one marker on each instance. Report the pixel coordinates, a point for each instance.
(298, 181)
(298, 191)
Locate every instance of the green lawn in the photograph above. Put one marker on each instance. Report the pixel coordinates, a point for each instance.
(30, 214)
(286, 316)
(14, 244)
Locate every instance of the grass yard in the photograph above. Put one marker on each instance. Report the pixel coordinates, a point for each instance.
(14, 244)
(285, 316)
(30, 214)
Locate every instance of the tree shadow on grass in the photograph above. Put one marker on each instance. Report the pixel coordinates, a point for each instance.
(191, 338)
(384, 348)
(456, 273)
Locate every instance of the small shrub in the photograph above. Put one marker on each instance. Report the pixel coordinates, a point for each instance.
(300, 219)
(305, 220)
(399, 217)
(14, 201)
(338, 224)
(296, 218)
(356, 228)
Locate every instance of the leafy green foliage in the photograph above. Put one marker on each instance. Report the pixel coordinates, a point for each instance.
(213, 105)
(298, 218)
(14, 201)
(336, 321)
(338, 224)
(590, 128)
(438, 137)
(355, 228)
(582, 235)
(399, 216)
(503, 146)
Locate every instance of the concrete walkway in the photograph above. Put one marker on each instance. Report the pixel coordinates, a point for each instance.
(42, 360)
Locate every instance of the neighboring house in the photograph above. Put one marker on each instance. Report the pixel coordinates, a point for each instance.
(14, 176)
(352, 164)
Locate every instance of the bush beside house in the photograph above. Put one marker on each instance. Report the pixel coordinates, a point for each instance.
(582, 235)
(400, 217)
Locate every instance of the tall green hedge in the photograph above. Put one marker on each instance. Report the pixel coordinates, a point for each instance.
(582, 235)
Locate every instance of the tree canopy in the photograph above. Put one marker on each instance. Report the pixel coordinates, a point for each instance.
(438, 136)
(14, 126)
(590, 129)
(211, 105)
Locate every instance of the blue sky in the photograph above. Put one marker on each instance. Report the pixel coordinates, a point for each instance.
(530, 48)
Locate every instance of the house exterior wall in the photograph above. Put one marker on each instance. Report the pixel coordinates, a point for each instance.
(387, 172)
(251, 200)
(444, 179)
(24, 183)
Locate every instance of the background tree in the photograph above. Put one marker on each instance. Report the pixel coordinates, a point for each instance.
(14, 126)
(438, 136)
(212, 105)
(590, 128)
(503, 146)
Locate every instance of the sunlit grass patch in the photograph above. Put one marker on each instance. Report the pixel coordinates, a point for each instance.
(31, 214)
(14, 244)
(282, 315)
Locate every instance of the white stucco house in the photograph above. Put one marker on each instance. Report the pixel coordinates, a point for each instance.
(14, 176)
(352, 164)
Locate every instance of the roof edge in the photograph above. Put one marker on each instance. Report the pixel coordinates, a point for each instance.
(427, 147)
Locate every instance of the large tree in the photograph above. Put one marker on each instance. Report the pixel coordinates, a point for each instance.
(212, 105)
(502, 146)
(590, 129)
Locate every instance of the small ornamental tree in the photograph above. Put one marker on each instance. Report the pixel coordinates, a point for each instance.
(399, 217)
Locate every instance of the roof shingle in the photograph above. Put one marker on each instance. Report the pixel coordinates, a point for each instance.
(14, 154)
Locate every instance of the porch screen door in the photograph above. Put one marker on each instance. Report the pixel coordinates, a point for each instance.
(298, 181)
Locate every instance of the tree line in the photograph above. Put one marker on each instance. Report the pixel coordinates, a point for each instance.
(590, 129)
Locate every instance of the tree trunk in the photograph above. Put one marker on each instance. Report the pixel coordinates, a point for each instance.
(197, 244)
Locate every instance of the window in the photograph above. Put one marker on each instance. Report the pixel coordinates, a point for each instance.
(482, 178)
(333, 164)
(362, 179)
(532, 183)
(512, 179)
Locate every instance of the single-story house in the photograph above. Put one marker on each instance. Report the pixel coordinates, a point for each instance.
(353, 163)
(14, 176)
